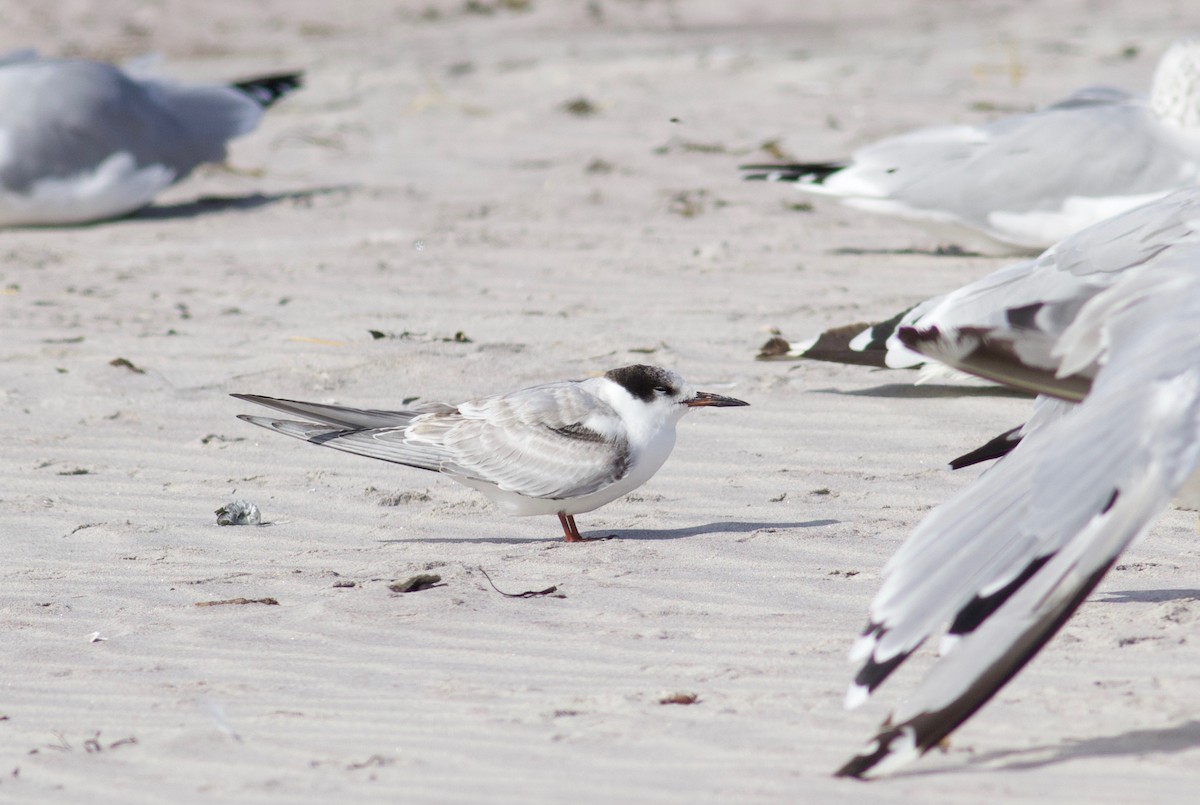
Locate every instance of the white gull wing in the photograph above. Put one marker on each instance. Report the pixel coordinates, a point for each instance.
(1022, 183)
(553, 441)
(83, 140)
(1007, 560)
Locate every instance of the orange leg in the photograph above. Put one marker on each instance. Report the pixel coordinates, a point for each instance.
(570, 530)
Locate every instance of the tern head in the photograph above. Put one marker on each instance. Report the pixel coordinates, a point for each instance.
(664, 392)
(1175, 94)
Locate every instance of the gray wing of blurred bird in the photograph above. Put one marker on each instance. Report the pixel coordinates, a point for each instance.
(85, 140)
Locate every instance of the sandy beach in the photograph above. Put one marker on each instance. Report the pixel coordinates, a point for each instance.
(471, 197)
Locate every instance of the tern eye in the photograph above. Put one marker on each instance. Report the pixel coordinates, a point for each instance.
(662, 389)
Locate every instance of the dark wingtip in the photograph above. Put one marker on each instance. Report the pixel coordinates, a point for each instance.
(833, 346)
(813, 172)
(929, 728)
(775, 348)
(858, 766)
(911, 336)
(268, 89)
(998, 447)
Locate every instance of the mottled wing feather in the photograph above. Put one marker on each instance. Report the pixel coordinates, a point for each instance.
(1024, 362)
(552, 441)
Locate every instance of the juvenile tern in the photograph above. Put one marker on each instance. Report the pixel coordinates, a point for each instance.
(1022, 183)
(1112, 345)
(84, 141)
(560, 448)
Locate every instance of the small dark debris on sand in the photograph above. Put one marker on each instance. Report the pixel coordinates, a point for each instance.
(580, 107)
(680, 698)
(459, 337)
(271, 602)
(414, 584)
(127, 364)
(549, 591)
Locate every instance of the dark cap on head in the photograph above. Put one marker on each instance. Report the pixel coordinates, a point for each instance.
(642, 381)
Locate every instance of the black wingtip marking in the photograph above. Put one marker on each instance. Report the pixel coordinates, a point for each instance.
(930, 728)
(912, 337)
(873, 674)
(859, 765)
(979, 609)
(882, 331)
(268, 89)
(1023, 318)
(872, 628)
(833, 346)
(998, 447)
(810, 172)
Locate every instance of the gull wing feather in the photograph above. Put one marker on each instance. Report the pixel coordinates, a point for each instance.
(1025, 180)
(1063, 277)
(1008, 560)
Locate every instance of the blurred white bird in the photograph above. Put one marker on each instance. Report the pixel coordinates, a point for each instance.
(1008, 560)
(1022, 183)
(561, 448)
(84, 141)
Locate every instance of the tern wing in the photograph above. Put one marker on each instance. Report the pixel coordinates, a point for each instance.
(552, 441)
(345, 417)
(1009, 559)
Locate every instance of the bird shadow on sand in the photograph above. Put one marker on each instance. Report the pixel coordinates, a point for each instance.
(206, 205)
(940, 251)
(735, 527)
(640, 534)
(1165, 741)
(928, 391)
(1147, 596)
